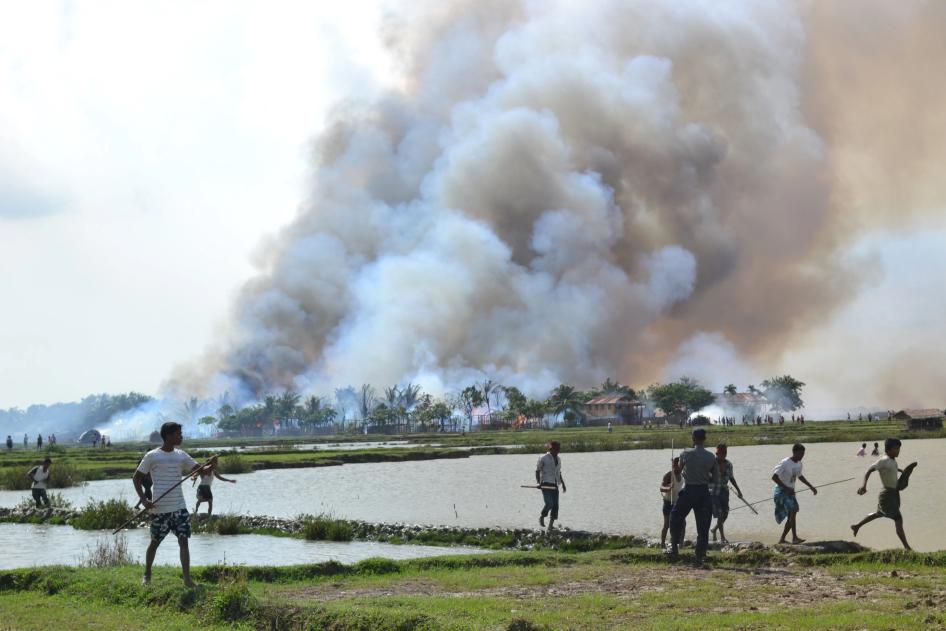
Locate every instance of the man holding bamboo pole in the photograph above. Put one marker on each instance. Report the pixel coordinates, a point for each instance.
(166, 464)
(786, 504)
(548, 475)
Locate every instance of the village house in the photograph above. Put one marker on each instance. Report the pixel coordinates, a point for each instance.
(619, 409)
(928, 418)
(750, 404)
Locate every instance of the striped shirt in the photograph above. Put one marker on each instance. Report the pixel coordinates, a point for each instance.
(166, 469)
(550, 469)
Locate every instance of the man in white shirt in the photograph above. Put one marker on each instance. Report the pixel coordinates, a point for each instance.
(40, 476)
(888, 502)
(786, 504)
(548, 475)
(166, 465)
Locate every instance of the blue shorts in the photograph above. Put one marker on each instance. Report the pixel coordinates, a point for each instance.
(163, 523)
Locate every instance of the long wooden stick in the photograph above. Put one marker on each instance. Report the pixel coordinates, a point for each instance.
(153, 502)
(547, 487)
(747, 504)
(769, 499)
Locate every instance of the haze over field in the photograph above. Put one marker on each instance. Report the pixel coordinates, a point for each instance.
(541, 192)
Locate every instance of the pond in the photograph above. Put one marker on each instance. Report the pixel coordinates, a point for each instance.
(614, 492)
(26, 545)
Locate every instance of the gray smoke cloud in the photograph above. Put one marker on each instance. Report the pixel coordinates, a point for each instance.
(559, 192)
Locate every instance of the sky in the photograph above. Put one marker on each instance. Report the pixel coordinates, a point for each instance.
(150, 154)
(146, 150)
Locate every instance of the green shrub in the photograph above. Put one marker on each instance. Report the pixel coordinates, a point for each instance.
(228, 525)
(56, 500)
(378, 565)
(233, 463)
(103, 515)
(233, 602)
(109, 552)
(323, 528)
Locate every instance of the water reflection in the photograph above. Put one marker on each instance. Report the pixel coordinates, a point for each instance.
(26, 545)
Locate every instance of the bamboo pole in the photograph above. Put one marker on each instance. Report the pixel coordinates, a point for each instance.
(769, 499)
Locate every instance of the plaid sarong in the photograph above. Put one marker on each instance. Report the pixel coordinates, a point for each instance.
(784, 504)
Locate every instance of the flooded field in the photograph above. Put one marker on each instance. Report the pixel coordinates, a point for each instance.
(26, 545)
(613, 492)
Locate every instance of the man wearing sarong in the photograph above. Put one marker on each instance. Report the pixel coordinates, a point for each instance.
(699, 470)
(888, 502)
(548, 475)
(786, 504)
(720, 492)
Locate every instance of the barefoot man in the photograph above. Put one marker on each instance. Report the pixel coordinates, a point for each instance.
(166, 464)
(548, 475)
(721, 492)
(786, 504)
(888, 502)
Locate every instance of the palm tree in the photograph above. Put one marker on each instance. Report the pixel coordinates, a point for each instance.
(730, 389)
(366, 400)
(488, 388)
(566, 399)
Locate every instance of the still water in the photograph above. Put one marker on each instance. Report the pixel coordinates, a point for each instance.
(614, 492)
(26, 545)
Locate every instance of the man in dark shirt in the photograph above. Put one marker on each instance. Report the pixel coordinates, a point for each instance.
(699, 470)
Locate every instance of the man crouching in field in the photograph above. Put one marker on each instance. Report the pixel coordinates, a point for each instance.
(166, 464)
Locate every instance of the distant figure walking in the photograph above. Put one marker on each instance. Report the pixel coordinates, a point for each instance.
(40, 476)
(609, 427)
(863, 450)
(39, 442)
(204, 494)
(9, 443)
(888, 501)
(786, 504)
(26, 441)
(548, 475)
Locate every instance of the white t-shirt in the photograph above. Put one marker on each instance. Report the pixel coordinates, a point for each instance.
(550, 469)
(788, 471)
(166, 469)
(887, 468)
(206, 479)
(39, 478)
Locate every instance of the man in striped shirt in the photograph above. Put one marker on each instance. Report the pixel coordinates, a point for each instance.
(168, 511)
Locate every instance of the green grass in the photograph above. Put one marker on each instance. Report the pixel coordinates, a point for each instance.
(600, 590)
(105, 514)
(325, 528)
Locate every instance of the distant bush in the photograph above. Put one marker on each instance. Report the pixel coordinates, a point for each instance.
(378, 565)
(233, 463)
(109, 553)
(228, 525)
(323, 528)
(103, 515)
(56, 500)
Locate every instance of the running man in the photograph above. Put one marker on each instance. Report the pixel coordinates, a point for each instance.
(166, 465)
(548, 475)
(204, 494)
(721, 492)
(40, 477)
(888, 502)
(670, 488)
(786, 504)
(699, 470)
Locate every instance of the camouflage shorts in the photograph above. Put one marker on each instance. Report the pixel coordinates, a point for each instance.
(163, 523)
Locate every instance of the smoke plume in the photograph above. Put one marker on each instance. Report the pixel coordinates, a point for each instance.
(560, 192)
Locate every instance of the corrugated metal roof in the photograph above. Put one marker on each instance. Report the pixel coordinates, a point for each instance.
(919, 413)
(611, 399)
(741, 398)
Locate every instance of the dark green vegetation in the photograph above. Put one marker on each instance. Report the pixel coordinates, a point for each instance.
(74, 464)
(630, 588)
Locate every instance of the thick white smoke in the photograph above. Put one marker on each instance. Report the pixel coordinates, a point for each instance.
(558, 193)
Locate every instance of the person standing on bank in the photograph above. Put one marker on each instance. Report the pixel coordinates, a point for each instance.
(166, 464)
(40, 477)
(699, 470)
(721, 492)
(204, 494)
(670, 489)
(786, 504)
(548, 475)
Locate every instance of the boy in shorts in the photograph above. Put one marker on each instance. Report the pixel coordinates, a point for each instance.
(206, 477)
(168, 511)
(888, 502)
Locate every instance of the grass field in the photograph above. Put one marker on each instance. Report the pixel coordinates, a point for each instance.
(120, 460)
(631, 588)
